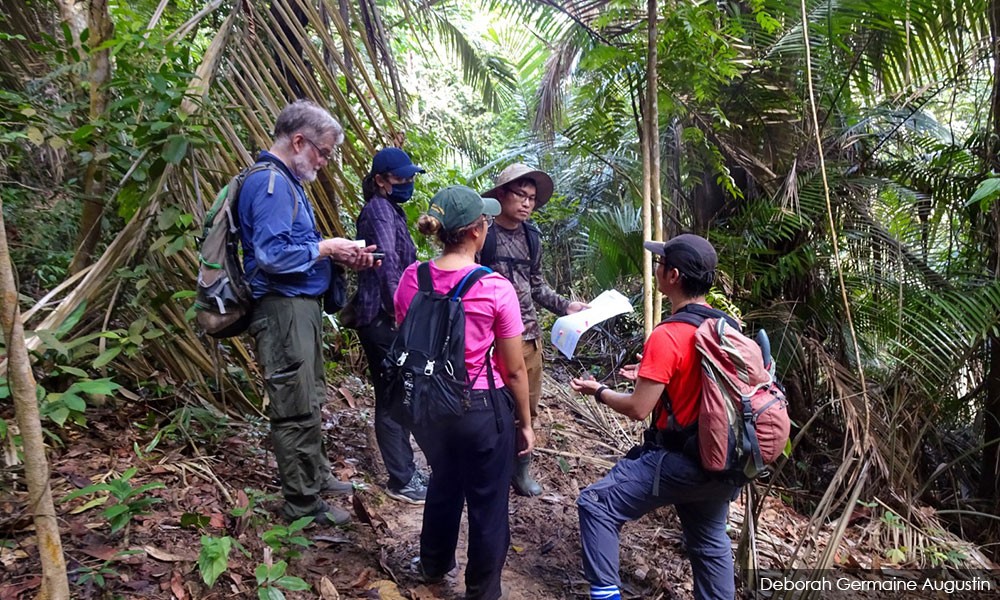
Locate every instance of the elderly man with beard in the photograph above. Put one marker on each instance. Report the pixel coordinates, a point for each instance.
(290, 266)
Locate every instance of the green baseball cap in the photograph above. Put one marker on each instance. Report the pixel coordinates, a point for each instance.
(457, 206)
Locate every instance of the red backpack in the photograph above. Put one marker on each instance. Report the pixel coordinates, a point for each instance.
(743, 422)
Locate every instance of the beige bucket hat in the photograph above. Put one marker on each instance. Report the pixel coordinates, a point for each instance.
(543, 183)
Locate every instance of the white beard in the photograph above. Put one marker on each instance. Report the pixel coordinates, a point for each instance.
(302, 169)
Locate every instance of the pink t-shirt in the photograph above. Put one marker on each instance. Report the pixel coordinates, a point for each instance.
(491, 310)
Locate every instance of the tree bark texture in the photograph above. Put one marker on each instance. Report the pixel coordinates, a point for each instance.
(101, 30)
(74, 14)
(54, 586)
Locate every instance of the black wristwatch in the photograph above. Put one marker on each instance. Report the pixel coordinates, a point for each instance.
(597, 394)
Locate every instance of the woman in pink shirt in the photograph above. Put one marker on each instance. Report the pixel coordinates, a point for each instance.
(471, 459)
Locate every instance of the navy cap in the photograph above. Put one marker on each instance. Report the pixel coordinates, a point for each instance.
(395, 161)
(690, 254)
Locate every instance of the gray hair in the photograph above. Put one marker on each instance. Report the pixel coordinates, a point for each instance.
(308, 118)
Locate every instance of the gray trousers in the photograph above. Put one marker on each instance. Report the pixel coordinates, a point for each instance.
(626, 493)
(289, 335)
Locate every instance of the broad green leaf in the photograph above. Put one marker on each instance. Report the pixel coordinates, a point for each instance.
(99, 500)
(82, 134)
(986, 193)
(137, 326)
(262, 593)
(184, 294)
(114, 511)
(274, 593)
(261, 573)
(106, 357)
(292, 584)
(90, 489)
(155, 485)
(97, 386)
(72, 370)
(277, 571)
(195, 520)
(3, 430)
(71, 320)
(59, 415)
(74, 402)
(35, 135)
(175, 149)
(300, 524)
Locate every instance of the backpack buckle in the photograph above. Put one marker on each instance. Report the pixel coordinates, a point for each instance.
(402, 359)
(429, 368)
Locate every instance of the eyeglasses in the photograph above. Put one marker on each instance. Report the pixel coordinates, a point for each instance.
(659, 260)
(488, 219)
(324, 154)
(521, 195)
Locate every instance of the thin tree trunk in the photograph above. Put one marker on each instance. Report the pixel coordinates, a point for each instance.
(647, 218)
(101, 30)
(55, 586)
(989, 484)
(653, 144)
(74, 14)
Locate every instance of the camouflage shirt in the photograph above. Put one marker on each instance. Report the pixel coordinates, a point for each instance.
(527, 280)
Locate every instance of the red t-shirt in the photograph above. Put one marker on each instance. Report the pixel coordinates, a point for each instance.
(670, 358)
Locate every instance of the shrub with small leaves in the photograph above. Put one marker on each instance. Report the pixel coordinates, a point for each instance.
(270, 579)
(284, 539)
(214, 557)
(128, 501)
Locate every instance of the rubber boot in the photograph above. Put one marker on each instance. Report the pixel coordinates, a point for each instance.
(524, 485)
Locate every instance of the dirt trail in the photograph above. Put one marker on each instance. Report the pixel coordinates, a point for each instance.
(155, 556)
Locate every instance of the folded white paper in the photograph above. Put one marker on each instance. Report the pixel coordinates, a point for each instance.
(567, 330)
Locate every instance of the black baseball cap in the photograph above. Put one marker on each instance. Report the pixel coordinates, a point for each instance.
(690, 254)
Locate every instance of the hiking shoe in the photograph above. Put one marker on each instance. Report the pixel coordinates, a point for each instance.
(324, 516)
(414, 492)
(331, 514)
(425, 478)
(338, 487)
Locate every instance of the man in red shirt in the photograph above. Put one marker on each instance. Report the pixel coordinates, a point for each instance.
(666, 470)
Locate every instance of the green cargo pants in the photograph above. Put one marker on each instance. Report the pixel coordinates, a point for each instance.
(289, 334)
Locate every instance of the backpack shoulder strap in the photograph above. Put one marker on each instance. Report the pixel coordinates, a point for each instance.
(424, 281)
(488, 255)
(696, 314)
(273, 173)
(470, 279)
(534, 235)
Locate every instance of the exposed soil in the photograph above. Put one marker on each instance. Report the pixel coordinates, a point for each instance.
(371, 558)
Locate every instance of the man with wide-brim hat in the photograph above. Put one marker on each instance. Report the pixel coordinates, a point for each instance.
(513, 249)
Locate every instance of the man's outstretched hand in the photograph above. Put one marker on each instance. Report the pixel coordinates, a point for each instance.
(585, 385)
(575, 307)
(631, 372)
(348, 253)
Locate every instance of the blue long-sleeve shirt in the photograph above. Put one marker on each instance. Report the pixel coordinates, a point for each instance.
(382, 223)
(280, 256)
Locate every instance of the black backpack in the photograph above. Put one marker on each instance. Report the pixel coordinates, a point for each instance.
(425, 366)
(224, 302)
(488, 255)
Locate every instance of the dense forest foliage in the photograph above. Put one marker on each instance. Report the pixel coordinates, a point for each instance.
(842, 155)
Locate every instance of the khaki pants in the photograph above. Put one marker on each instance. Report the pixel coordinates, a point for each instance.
(533, 360)
(289, 335)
